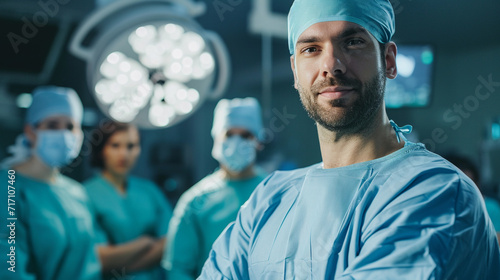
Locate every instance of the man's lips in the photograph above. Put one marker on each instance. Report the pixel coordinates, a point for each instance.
(335, 91)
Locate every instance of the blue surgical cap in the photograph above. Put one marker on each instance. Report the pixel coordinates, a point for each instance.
(241, 113)
(376, 16)
(50, 101)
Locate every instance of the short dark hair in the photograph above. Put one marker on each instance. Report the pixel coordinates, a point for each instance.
(100, 136)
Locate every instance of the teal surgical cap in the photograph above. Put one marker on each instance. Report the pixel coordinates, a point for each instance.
(50, 101)
(376, 16)
(238, 113)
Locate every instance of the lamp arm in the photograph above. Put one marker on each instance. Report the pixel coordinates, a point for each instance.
(224, 65)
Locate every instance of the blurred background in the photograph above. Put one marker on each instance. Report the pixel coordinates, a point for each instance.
(448, 86)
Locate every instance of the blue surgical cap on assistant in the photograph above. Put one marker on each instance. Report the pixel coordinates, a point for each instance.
(238, 113)
(50, 101)
(376, 16)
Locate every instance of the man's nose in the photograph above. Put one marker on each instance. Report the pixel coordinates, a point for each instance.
(332, 63)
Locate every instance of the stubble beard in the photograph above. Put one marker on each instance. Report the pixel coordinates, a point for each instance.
(340, 117)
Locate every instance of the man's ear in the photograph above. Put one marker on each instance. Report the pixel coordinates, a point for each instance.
(295, 80)
(391, 51)
(30, 134)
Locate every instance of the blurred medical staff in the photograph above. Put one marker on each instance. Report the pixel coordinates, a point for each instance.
(208, 207)
(53, 236)
(131, 211)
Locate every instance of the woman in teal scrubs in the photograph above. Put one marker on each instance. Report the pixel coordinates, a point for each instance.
(52, 231)
(131, 211)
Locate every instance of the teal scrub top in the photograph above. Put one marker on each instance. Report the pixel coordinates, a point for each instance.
(493, 208)
(200, 216)
(408, 215)
(142, 210)
(54, 231)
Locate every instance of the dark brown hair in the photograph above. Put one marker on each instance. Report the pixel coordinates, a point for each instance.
(100, 136)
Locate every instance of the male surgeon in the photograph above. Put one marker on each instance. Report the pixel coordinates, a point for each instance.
(378, 206)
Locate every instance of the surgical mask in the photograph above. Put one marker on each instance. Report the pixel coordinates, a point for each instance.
(235, 153)
(57, 148)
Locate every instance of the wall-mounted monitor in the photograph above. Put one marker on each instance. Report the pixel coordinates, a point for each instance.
(412, 86)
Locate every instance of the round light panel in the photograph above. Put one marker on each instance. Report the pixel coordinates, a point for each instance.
(153, 74)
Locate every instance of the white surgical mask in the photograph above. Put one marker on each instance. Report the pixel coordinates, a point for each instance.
(235, 153)
(57, 148)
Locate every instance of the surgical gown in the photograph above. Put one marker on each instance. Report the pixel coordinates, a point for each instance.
(408, 215)
(54, 231)
(142, 210)
(200, 216)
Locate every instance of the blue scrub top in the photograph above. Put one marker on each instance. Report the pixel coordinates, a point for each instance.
(408, 215)
(200, 216)
(54, 231)
(142, 210)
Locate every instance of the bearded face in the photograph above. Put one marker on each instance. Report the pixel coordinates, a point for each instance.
(340, 71)
(342, 115)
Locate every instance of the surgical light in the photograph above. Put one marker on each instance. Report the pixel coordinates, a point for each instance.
(150, 63)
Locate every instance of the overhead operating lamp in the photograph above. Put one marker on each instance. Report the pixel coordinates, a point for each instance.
(149, 62)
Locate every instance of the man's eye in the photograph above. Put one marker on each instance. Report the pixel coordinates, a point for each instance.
(310, 50)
